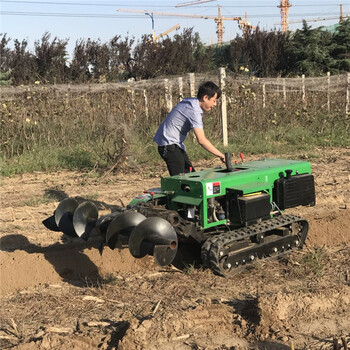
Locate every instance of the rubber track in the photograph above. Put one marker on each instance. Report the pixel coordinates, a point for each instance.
(212, 246)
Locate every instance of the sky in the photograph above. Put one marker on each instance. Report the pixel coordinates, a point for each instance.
(100, 20)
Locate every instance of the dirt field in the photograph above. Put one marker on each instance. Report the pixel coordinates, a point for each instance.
(60, 293)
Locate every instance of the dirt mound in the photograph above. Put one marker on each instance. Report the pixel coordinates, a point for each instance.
(330, 228)
(74, 264)
(58, 292)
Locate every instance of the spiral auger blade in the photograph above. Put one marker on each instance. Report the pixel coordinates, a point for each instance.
(64, 216)
(84, 219)
(154, 236)
(122, 225)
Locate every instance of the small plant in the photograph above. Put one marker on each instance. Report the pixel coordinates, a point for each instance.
(110, 279)
(189, 269)
(314, 262)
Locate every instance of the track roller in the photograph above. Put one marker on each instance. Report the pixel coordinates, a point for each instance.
(154, 236)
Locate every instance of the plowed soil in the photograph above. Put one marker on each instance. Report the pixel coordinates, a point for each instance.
(59, 292)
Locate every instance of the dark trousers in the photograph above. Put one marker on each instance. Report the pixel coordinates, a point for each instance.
(176, 159)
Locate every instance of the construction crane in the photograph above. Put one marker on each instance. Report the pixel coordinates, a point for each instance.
(341, 18)
(193, 2)
(177, 26)
(243, 24)
(284, 6)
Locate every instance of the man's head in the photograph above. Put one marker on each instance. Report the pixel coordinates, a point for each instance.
(208, 93)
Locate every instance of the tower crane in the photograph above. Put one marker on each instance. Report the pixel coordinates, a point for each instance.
(341, 18)
(175, 27)
(284, 6)
(242, 23)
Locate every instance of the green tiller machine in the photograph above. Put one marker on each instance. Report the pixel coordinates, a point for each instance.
(234, 214)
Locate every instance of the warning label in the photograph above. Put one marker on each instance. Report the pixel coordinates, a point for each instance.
(213, 188)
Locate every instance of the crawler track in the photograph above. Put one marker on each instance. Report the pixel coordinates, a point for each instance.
(224, 252)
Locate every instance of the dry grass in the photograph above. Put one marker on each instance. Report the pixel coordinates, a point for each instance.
(96, 306)
(101, 128)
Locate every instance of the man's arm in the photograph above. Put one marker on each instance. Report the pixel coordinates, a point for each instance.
(205, 143)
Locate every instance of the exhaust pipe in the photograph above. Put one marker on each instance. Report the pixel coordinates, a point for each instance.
(154, 236)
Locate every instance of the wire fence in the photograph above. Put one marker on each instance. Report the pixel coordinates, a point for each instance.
(62, 115)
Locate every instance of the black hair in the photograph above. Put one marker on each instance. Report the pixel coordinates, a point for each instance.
(208, 88)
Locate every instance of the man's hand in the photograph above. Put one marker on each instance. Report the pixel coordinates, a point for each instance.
(206, 144)
(222, 158)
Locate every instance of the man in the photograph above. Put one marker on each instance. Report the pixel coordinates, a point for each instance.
(185, 116)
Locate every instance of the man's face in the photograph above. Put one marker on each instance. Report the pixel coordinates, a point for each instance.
(208, 103)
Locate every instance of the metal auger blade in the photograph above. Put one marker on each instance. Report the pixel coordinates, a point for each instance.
(122, 225)
(164, 254)
(64, 216)
(84, 219)
(154, 236)
(104, 221)
(50, 223)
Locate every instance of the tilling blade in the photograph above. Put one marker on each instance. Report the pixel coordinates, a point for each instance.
(84, 219)
(50, 223)
(123, 224)
(164, 254)
(104, 221)
(158, 233)
(64, 216)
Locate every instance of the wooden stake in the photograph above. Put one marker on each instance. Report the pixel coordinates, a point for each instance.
(264, 95)
(192, 85)
(168, 95)
(133, 103)
(328, 91)
(222, 76)
(146, 103)
(181, 90)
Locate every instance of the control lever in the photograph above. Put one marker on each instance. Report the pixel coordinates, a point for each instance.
(228, 162)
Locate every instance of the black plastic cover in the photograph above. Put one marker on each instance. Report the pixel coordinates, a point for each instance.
(290, 192)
